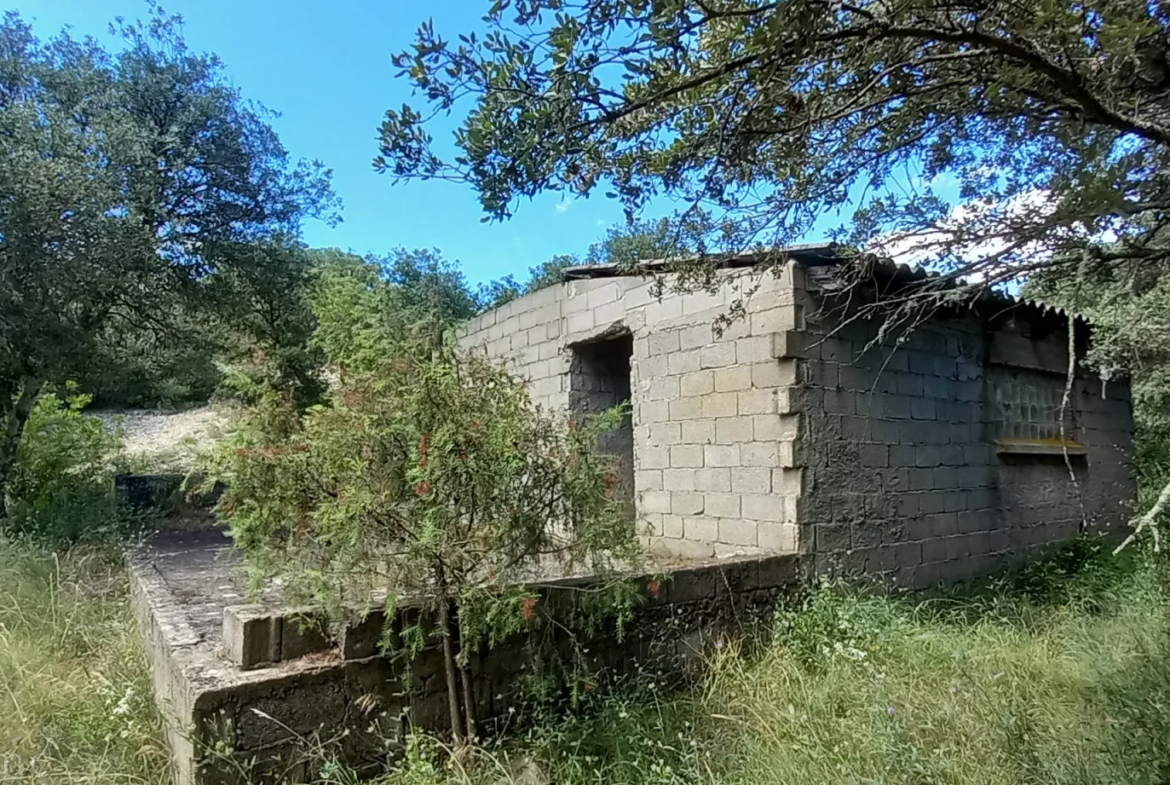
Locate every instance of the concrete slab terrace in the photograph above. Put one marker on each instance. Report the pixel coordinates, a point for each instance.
(229, 720)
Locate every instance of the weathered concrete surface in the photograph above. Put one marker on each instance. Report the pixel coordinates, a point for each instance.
(220, 718)
(226, 723)
(937, 454)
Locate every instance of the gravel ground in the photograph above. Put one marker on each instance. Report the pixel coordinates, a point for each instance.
(166, 440)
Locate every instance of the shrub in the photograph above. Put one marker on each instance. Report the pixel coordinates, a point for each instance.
(62, 490)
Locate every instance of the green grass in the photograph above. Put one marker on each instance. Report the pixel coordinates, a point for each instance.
(1061, 675)
(75, 702)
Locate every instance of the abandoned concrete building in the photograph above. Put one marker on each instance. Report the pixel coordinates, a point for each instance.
(797, 440)
(931, 458)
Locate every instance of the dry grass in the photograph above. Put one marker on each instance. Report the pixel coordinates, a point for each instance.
(75, 703)
(1062, 676)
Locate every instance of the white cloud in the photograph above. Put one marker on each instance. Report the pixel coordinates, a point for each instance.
(988, 221)
(564, 205)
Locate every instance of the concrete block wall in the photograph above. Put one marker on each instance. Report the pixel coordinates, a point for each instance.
(713, 436)
(903, 480)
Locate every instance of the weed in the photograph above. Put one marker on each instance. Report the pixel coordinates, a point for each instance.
(75, 697)
(1057, 674)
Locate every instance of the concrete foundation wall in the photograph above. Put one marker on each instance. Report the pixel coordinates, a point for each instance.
(906, 473)
(335, 695)
(712, 442)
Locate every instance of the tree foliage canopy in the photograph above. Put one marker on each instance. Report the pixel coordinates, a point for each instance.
(129, 180)
(765, 116)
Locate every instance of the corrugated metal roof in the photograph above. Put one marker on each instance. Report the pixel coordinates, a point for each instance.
(827, 255)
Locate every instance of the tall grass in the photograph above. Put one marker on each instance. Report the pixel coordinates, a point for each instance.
(1060, 675)
(75, 701)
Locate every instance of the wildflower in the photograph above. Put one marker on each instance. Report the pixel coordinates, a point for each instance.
(890, 710)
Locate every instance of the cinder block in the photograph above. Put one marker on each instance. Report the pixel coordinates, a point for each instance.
(754, 480)
(831, 538)
(733, 430)
(926, 456)
(721, 505)
(907, 505)
(786, 454)
(754, 349)
(733, 531)
(664, 388)
(720, 405)
(302, 634)
(733, 378)
(874, 455)
(579, 322)
(769, 507)
(698, 431)
(763, 454)
(717, 355)
(652, 457)
(695, 337)
(654, 501)
(922, 409)
(721, 454)
(362, 635)
(891, 407)
(251, 635)
(681, 362)
(840, 402)
(773, 320)
(648, 479)
(921, 479)
(701, 529)
(686, 503)
(697, 384)
(672, 526)
(686, 456)
(836, 350)
(788, 482)
(678, 479)
(664, 433)
(712, 480)
(687, 409)
(792, 344)
(770, 427)
(606, 293)
(777, 537)
(664, 342)
(757, 402)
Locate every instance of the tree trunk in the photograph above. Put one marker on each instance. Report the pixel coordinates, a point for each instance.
(14, 419)
(469, 701)
(452, 680)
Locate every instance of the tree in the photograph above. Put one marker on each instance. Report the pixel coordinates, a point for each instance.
(129, 180)
(1128, 307)
(625, 245)
(428, 473)
(260, 320)
(430, 286)
(764, 117)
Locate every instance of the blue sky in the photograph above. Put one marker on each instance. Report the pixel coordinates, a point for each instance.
(325, 67)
